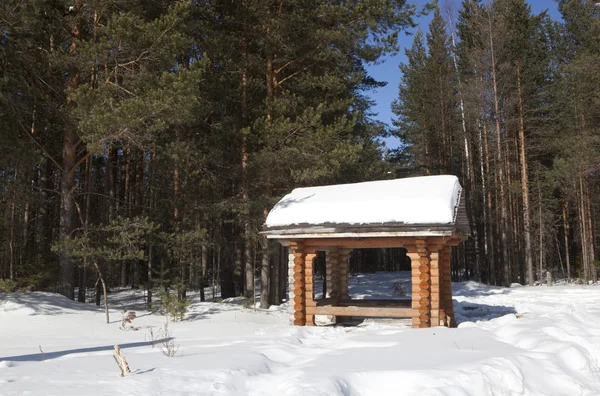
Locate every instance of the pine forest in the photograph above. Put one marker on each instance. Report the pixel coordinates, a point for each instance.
(143, 142)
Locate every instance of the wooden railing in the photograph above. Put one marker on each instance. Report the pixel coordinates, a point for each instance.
(365, 308)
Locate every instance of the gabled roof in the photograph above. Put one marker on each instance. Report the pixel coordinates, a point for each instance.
(428, 205)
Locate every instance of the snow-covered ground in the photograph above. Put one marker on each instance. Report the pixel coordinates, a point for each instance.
(510, 341)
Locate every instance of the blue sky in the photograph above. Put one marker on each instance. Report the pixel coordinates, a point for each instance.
(388, 69)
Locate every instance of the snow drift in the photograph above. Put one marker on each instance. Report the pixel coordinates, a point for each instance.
(510, 341)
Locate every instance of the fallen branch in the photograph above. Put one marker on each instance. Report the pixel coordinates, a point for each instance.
(121, 361)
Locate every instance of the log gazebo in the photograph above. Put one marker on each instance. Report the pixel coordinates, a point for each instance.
(425, 215)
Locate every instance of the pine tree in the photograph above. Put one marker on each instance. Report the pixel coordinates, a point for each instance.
(411, 122)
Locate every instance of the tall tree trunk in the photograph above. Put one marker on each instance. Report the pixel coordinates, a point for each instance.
(127, 158)
(152, 204)
(181, 266)
(265, 272)
(499, 165)
(590, 231)
(68, 210)
(11, 241)
(461, 100)
(83, 268)
(283, 270)
(238, 278)
(110, 180)
(583, 230)
(565, 212)
(137, 194)
(511, 211)
(202, 272)
(541, 234)
(443, 149)
(26, 212)
(271, 82)
(524, 182)
(248, 260)
(517, 217)
(275, 274)
(47, 183)
(68, 214)
(484, 166)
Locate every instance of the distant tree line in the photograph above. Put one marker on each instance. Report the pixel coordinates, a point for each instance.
(510, 101)
(145, 140)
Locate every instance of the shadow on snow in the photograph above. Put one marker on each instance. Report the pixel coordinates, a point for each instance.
(39, 357)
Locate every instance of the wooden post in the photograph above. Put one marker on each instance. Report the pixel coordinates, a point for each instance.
(436, 317)
(424, 286)
(332, 273)
(343, 255)
(333, 278)
(415, 280)
(299, 284)
(447, 287)
(291, 294)
(443, 294)
(309, 295)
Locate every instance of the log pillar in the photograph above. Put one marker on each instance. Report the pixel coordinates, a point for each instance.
(332, 273)
(298, 302)
(447, 287)
(415, 281)
(443, 294)
(343, 255)
(291, 281)
(421, 284)
(309, 284)
(434, 263)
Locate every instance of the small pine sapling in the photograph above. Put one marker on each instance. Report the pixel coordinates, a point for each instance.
(172, 305)
(163, 338)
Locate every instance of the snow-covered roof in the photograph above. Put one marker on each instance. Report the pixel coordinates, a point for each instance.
(400, 204)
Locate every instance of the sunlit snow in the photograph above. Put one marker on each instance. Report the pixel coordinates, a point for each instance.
(414, 200)
(510, 341)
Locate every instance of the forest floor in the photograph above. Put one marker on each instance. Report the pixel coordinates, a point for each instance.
(510, 341)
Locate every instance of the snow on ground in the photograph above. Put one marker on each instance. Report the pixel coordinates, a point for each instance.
(510, 341)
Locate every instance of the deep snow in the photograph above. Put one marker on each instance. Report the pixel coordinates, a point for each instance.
(510, 341)
(412, 200)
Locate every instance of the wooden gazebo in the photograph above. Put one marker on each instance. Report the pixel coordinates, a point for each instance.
(424, 215)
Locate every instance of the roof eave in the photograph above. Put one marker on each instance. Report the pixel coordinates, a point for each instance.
(298, 234)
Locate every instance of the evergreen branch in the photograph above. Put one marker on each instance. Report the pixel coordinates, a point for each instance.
(280, 69)
(120, 87)
(39, 145)
(299, 71)
(147, 51)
